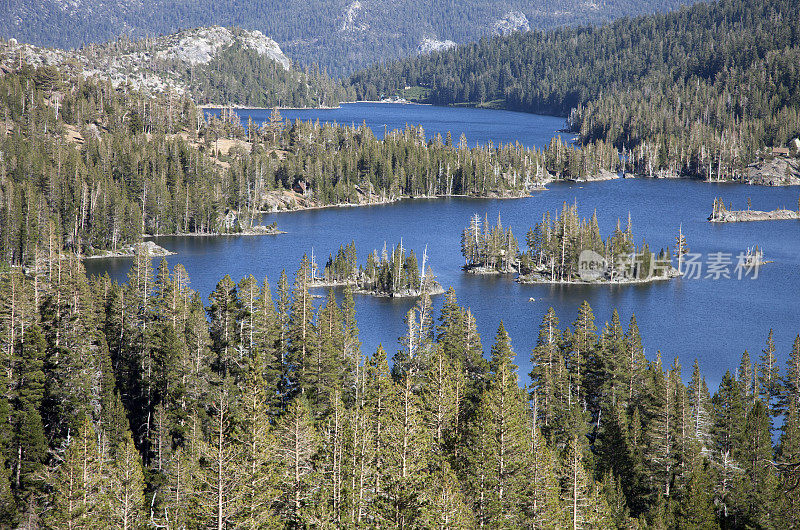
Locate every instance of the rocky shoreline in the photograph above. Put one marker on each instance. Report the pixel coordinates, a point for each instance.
(776, 172)
(487, 271)
(603, 175)
(741, 216)
(259, 230)
(539, 279)
(130, 250)
(434, 288)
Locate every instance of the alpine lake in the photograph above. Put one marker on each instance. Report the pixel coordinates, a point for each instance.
(711, 314)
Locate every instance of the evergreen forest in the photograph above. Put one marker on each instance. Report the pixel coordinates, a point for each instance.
(137, 406)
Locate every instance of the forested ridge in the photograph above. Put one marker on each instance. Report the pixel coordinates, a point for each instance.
(87, 166)
(338, 35)
(698, 91)
(137, 405)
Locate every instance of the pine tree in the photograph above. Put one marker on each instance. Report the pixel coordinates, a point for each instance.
(221, 456)
(728, 438)
(545, 506)
(126, 487)
(584, 339)
(700, 408)
(445, 504)
(329, 366)
(259, 474)
(577, 488)
(757, 489)
(544, 374)
(79, 483)
(406, 445)
(500, 461)
(769, 377)
(223, 314)
(301, 332)
(297, 445)
(696, 508)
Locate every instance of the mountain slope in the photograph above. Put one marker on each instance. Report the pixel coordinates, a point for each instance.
(339, 35)
(699, 91)
(212, 64)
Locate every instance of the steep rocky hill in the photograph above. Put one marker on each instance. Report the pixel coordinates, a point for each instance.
(213, 64)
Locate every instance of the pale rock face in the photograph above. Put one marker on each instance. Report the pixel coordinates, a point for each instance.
(201, 45)
(428, 45)
(350, 17)
(513, 21)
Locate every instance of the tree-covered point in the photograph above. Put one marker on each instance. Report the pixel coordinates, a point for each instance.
(138, 405)
(556, 244)
(698, 91)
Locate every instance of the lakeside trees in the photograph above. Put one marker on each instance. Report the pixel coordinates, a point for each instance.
(489, 248)
(218, 420)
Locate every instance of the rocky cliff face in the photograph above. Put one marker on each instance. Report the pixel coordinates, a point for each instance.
(512, 21)
(779, 171)
(199, 46)
(428, 45)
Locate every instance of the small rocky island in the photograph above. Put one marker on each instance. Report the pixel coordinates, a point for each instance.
(726, 214)
(394, 274)
(565, 249)
(489, 249)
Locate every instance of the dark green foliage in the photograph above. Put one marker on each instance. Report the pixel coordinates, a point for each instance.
(139, 164)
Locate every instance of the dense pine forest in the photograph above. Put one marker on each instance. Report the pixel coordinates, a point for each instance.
(86, 166)
(699, 91)
(137, 406)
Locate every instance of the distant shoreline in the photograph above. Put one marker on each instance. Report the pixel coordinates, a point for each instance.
(209, 106)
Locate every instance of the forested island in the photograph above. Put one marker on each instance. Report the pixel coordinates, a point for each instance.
(702, 92)
(137, 405)
(564, 248)
(394, 273)
(726, 214)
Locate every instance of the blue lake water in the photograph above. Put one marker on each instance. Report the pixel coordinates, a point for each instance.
(712, 320)
(480, 126)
